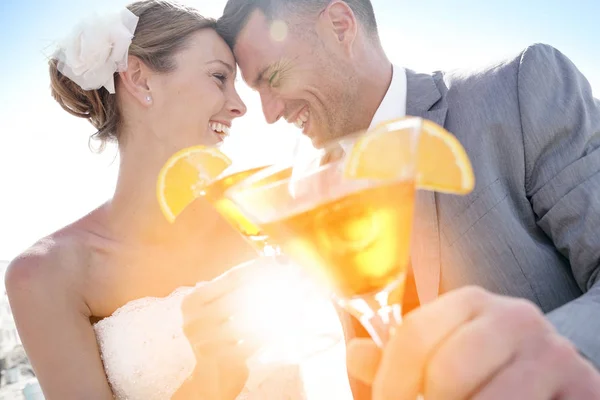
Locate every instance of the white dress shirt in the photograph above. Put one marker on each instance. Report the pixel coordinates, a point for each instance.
(393, 104)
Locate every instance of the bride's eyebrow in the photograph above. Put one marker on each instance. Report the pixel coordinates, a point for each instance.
(223, 63)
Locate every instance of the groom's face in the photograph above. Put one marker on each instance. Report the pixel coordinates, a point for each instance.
(300, 76)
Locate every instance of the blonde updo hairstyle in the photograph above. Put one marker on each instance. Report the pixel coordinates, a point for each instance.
(162, 30)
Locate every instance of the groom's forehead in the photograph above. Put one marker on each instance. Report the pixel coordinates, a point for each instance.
(256, 48)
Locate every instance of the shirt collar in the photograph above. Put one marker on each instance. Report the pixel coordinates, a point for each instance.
(393, 104)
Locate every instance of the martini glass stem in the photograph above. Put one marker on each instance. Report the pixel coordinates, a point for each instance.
(262, 245)
(379, 312)
(380, 322)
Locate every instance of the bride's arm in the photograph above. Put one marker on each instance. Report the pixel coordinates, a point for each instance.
(53, 323)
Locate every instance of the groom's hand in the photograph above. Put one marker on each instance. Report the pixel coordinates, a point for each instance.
(473, 344)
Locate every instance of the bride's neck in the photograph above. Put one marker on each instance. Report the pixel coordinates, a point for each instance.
(133, 213)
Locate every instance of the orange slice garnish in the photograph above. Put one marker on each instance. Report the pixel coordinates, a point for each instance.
(185, 175)
(414, 148)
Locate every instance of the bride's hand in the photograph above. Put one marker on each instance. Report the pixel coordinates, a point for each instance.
(222, 343)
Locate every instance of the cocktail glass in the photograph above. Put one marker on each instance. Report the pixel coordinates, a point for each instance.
(351, 232)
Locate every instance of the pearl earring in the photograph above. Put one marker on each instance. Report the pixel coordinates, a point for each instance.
(148, 99)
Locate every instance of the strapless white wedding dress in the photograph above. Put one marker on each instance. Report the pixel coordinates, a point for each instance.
(146, 355)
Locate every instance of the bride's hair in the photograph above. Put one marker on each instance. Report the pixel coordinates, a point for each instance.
(162, 30)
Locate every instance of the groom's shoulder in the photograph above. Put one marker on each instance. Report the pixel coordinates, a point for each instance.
(503, 67)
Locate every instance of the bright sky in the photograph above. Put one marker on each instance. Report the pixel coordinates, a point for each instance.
(50, 178)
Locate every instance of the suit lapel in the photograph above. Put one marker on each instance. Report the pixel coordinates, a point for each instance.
(425, 100)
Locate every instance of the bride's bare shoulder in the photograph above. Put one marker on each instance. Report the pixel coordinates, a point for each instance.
(53, 263)
(45, 263)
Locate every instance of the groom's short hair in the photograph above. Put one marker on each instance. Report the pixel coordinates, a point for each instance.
(237, 12)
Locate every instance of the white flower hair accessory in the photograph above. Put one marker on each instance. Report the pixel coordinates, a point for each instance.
(96, 49)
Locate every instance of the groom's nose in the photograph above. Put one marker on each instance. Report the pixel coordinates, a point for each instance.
(272, 106)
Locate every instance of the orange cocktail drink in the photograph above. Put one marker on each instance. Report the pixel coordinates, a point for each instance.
(348, 216)
(215, 193)
(359, 241)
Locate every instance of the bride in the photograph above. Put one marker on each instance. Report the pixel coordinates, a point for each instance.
(110, 305)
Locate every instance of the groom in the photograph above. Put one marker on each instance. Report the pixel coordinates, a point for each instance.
(531, 128)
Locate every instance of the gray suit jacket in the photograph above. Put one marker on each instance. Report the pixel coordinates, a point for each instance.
(531, 227)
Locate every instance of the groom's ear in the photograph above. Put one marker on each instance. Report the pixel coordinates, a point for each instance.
(135, 80)
(341, 23)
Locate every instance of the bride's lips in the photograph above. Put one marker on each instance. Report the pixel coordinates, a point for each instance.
(220, 128)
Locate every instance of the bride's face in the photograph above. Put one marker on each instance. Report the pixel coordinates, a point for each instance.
(197, 101)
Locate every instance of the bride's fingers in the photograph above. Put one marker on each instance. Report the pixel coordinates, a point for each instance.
(221, 369)
(215, 313)
(226, 337)
(204, 381)
(217, 378)
(232, 378)
(363, 358)
(199, 333)
(216, 326)
(232, 349)
(230, 281)
(198, 313)
(214, 339)
(246, 348)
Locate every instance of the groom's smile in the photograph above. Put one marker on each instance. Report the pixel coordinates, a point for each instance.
(300, 119)
(305, 78)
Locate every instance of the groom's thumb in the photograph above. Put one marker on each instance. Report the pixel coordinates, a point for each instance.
(363, 357)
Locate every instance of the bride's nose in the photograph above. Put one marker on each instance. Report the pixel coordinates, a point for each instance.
(235, 105)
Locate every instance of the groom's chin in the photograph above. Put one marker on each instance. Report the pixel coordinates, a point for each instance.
(318, 141)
